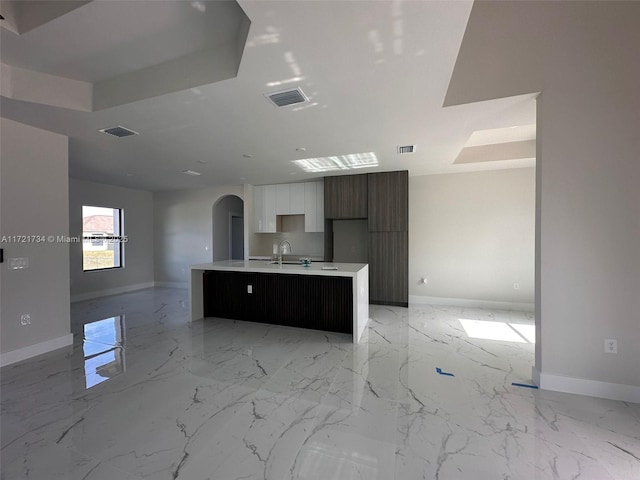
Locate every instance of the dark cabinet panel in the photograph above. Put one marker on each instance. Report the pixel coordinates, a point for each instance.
(386, 208)
(388, 268)
(225, 294)
(345, 196)
(388, 201)
(304, 301)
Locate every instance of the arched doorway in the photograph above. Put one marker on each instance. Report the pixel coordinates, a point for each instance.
(228, 228)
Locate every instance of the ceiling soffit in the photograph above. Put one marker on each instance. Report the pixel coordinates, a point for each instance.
(204, 45)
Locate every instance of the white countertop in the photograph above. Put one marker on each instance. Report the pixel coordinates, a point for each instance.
(343, 269)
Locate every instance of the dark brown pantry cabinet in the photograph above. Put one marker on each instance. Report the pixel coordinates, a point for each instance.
(388, 223)
(345, 197)
(388, 200)
(387, 214)
(388, 268)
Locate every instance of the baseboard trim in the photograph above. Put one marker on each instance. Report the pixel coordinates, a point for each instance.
(172, 284)
(470, 303)
(390, 304)
(31, 351)
(590, 388)
(110, 291)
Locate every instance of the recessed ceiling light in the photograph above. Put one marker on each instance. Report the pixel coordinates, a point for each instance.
(202, 162)
(301, 149)
(191, 172)
(339, 162)
(292, 173)
(130, 175)
(246, 155)
(243, 178)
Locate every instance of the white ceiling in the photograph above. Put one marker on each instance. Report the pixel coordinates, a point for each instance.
(376, 73)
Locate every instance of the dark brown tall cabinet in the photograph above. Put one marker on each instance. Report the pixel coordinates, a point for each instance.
(388, 222)
(345, 197)
(383, 200)
(388, 198)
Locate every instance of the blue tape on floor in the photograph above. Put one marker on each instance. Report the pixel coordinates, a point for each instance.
(439, 371)
(524, 385)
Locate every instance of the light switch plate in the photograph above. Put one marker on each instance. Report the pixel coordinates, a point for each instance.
(19, 263)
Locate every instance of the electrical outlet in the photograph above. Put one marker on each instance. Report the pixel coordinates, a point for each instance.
(25, 319)
(249, 288)
(516, 286)
(610, 345)
(423, 281)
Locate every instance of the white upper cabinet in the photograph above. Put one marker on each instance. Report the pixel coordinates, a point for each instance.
(296, 199)
(314, 207)
(283, 199)
(258, 209)
(288, 199)
(264, 209)
(320, 206)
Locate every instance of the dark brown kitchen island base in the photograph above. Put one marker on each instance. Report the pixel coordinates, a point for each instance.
(304, 301)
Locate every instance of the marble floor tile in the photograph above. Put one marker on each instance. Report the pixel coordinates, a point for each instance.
(144, 393)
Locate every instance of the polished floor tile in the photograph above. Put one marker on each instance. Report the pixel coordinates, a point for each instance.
(146, 394)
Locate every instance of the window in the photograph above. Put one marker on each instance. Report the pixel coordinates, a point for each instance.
(102, 239)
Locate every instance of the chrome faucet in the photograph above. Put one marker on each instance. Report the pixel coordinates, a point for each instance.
(281, 250)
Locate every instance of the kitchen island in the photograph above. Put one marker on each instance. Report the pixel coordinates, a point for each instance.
(323, 296)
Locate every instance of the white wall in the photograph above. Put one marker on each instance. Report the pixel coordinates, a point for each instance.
(33, 201)
(471, 235)
(138, 251)
(583, 57)
(183, 230)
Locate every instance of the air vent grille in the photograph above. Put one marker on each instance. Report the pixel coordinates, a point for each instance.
(118, 131)
(404, 149)
(287, 97)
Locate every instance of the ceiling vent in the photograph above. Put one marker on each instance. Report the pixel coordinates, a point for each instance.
(404, 149)
(284, 98)
(118, 131)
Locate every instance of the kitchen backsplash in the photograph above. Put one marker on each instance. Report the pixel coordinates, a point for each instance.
(303, 244)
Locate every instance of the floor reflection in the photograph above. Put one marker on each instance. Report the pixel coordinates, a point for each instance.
(104, 353)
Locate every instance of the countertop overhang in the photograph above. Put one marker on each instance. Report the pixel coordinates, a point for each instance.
(261, 266)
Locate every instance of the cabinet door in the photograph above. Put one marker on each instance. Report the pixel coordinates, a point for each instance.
(310, 209)
(225, 294)
(282, 199)
(389, 268)
(269, 218)
(314, 207)
(297, 198)
(258, 209)
(319, 207)
(388, 201)
(345, 197)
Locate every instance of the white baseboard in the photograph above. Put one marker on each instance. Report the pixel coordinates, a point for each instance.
(110, 291)
(35, 350)
(590, 388)
(172, 284)
(469, 303)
